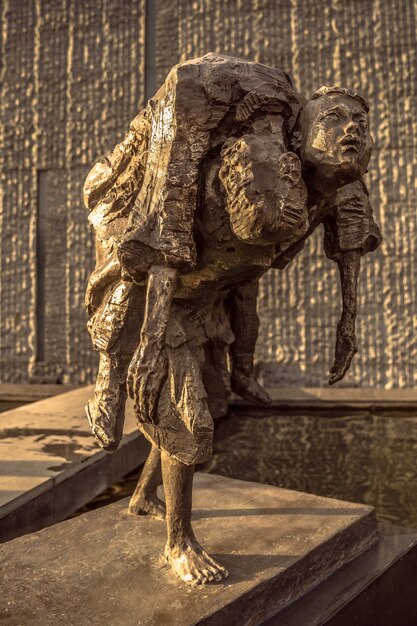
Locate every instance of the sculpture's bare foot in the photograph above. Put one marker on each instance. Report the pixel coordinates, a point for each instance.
(193, 565)
(147, 505)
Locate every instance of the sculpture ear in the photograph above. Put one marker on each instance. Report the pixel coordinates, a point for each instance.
(290, 167)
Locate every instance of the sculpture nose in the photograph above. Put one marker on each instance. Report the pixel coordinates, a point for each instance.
(352, 128)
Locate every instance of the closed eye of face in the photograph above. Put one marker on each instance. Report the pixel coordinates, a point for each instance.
(337, 112)
(360, 119)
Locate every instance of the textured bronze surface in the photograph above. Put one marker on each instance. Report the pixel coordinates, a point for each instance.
(60, 108)
(72, 77)
(225, 174)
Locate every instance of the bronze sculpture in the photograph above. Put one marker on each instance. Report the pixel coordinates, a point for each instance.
(222, 176)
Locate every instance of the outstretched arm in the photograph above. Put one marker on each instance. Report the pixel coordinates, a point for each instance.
(346, 342)
(148, 368)
(349, 233)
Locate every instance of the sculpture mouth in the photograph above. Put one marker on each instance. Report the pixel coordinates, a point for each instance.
(349, 142)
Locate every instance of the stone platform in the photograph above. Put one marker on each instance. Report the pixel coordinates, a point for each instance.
(105, 567)
(50, 464)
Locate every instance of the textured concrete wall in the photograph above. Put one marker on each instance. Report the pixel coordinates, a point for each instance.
(370, 46)
(72, 77)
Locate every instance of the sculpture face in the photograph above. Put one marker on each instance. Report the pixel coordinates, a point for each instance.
(266, 194)
(335, 140)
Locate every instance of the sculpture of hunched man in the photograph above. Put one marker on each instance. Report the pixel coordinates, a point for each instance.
(221, 177)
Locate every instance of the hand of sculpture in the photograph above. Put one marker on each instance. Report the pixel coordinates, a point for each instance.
(346, 348)
(248, 388)
(346, 343)
(146, 375)
(149, 367)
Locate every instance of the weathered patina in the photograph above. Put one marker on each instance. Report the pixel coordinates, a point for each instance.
(223, 176)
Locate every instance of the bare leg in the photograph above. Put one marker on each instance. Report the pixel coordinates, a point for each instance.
(144, 501)
(185, 555)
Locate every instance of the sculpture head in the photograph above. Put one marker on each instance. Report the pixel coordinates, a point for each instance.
(266, 194)
(333, 138)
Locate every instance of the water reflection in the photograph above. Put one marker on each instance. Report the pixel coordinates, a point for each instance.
(360, 458)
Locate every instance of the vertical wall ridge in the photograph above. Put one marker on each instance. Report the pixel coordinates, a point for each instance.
(72, 80)
(73, 75)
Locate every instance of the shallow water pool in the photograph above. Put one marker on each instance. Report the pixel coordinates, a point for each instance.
(361, 458)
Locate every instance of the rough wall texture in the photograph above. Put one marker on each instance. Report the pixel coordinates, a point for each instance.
(72, 77)
(370, 46)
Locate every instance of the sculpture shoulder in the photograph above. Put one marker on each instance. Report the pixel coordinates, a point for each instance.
(229, 80)
(215, 65)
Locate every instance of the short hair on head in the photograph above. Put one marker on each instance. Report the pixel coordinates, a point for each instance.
(324, 91)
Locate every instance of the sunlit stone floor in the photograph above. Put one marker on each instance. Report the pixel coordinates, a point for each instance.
(360, 458)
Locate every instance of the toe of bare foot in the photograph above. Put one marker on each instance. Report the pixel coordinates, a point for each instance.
(194, 566)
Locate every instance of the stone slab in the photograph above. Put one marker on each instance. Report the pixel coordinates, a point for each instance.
(50, 464)
(375, 589)
(338, 399)
(31, 392)
(105, 566)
